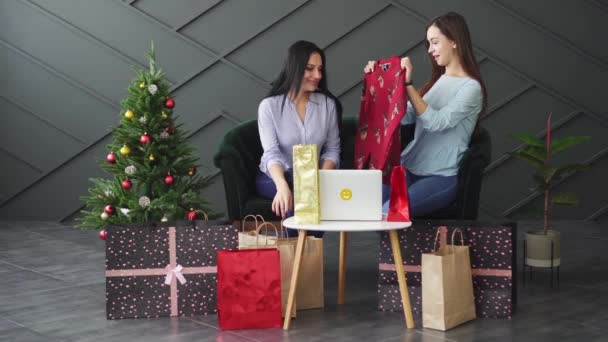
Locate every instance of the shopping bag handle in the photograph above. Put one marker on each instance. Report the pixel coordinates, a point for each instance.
(436, 239)
(461, 236)
(205, 216)
(257, 231)
(255, 217)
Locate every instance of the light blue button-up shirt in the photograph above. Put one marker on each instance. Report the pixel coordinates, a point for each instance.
(280, 129)
(443, 131)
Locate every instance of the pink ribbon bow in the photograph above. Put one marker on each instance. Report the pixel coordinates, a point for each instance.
(177, 270)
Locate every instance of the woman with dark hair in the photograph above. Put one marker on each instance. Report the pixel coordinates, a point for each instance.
(445, 111)
(299, 109)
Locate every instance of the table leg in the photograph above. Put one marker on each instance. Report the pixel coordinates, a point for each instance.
(293, 285)
(405, 295)
(342, 268)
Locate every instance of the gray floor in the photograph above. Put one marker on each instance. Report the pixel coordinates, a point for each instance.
(52, 289)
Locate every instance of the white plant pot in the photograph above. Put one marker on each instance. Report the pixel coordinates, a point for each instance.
(538, 248)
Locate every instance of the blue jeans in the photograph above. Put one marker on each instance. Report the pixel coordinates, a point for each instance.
(266, 188)
(426, 193)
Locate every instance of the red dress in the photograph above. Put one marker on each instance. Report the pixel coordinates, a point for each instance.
(383, 105)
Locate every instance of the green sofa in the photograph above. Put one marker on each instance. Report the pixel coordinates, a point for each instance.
(239, 155)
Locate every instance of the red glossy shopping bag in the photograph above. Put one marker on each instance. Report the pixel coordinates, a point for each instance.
(249, 289)
(399, 209)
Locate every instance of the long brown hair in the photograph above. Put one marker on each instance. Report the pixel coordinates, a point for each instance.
(454, 27)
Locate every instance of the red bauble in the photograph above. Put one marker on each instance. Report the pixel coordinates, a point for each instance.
(169, 103)
(126, 184)
(191, 216)
(109, 209)
(102, 234)
(169, 180)
(111, 158)
(144, 139)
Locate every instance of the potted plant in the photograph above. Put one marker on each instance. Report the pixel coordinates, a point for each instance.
(542, 244)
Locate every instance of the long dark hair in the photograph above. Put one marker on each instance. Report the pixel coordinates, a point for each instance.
(454, 27)
(290, 77)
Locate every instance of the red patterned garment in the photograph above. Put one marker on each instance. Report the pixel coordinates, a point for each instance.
(383, 105)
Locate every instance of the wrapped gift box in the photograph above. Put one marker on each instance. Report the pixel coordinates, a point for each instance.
(493, 265)
(164, 269)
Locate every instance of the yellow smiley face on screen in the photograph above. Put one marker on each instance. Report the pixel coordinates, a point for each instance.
(346, 194)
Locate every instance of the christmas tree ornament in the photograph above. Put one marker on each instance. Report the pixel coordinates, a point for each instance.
(130, 170)
(152, 89)
(151, 157)
(111, 158)
(170, 129)
(129, 114)
(125, 150)
(143, 120)
(144, 201)
(125, 211)
(169, 180)
(102, 234)
(127, 184)
(144, 139)
(165, 135)
(104, 216)
(169, 103)
(142, 85)
(164, 115)
(191, 215)
(109, 209)
(164, 219)
(192, 171)
(108, 193)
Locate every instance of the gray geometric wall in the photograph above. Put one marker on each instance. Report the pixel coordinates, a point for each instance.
(65, 65)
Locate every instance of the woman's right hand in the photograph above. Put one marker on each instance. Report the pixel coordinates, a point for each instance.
(369, 67)
(281, 203)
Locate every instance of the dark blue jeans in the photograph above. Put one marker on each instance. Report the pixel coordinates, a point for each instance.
(266, 188)
(426, 193)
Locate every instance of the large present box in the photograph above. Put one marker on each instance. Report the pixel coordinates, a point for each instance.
(164, 269)
(493, 265)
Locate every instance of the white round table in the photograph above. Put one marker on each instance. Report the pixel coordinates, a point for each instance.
(343, 227)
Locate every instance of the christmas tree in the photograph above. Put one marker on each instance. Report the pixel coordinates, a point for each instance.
(153, 168)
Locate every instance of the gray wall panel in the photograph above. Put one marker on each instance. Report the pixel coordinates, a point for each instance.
(525, 114)
(42, 146)
(574, 21)
(76, 56)
(16, 175)
(45, 93)
(175, 13)
(57, 196)
(69, 64)
(130, 32)
(251, 16)
(218, 88)
(501, 84)
(316, 22)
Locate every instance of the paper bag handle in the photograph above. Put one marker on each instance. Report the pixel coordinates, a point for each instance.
(436, 239)
(257, 231)
(255, 217)
(461, 236)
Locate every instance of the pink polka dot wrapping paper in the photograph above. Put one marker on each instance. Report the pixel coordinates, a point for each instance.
(493, 262)
(164, 269)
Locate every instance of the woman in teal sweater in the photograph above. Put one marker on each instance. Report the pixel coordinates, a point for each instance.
(445, 111)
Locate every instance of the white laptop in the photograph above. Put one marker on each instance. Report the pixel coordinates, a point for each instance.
(354, 195)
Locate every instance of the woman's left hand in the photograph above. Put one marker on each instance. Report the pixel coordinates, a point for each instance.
(406, 64)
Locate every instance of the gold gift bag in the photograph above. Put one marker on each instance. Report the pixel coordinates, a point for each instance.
(306, 184)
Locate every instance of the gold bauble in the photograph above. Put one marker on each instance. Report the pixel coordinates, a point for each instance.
(125, 150)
